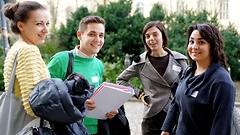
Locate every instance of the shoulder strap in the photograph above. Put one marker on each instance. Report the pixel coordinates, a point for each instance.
(12, 76)
(70, 63)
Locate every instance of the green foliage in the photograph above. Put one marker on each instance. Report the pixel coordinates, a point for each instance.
(157, 13)
(177, 24)
(133, 44)
(111, 52)
(232, 45)
(136, 83)
(1, 69)
(49, 48)
(123, 30)
(123, 35)
(115, 14)
(112, 71)
(66, 35)
(120, 31)
(12, 38)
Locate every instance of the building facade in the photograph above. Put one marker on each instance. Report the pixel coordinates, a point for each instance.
(227, 10)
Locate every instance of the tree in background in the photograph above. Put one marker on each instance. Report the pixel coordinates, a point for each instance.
(177, 24)
(132, 38)
(67, 35)
(157, 13)
(53, 9)
(116, 15)
(123, 29)
(232, 45)
(123, 34)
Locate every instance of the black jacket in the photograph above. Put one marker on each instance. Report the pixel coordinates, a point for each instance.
(205, 102)
(62, 103)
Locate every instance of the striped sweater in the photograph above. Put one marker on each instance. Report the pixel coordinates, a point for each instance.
(29, 71)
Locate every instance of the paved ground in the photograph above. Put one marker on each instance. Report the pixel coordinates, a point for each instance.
(134, 111)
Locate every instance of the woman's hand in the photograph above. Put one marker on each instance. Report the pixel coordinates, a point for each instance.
(165, 133)
(111, 114)
(90, 104)
(143, 98)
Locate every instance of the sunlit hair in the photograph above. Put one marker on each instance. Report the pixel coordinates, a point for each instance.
(162, 29)
(212, 35)
(90, 19)
(20, 11)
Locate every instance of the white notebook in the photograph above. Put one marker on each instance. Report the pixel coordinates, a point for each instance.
(109, 97)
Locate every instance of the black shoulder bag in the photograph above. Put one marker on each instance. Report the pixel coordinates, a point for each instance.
(70, 64)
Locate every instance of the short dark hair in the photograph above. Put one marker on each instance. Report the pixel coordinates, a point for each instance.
(90, 19)
(162, 29)
(212, 35)
(20, 11)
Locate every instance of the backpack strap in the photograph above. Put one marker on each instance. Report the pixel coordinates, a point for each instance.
(70, 63)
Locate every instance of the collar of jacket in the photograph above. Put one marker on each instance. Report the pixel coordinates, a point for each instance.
(169, 78)
(174, 54)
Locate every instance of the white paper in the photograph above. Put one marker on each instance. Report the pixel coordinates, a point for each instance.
(109, 97)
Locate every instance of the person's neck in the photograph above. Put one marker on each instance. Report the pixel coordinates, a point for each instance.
(158, 53)
(89, 56)
(22, 39)
(201, 67)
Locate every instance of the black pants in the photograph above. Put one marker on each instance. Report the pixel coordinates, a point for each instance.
(118, 125)
(113, 127)
(152, 126)
(103, 128)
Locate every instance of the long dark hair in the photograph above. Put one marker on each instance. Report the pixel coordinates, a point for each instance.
(213, 36)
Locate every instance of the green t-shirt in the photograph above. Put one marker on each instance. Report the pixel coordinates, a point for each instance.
(90, 68)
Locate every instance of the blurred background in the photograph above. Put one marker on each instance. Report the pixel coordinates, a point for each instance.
(125, 21)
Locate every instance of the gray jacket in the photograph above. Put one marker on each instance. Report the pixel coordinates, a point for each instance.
(156, 86)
